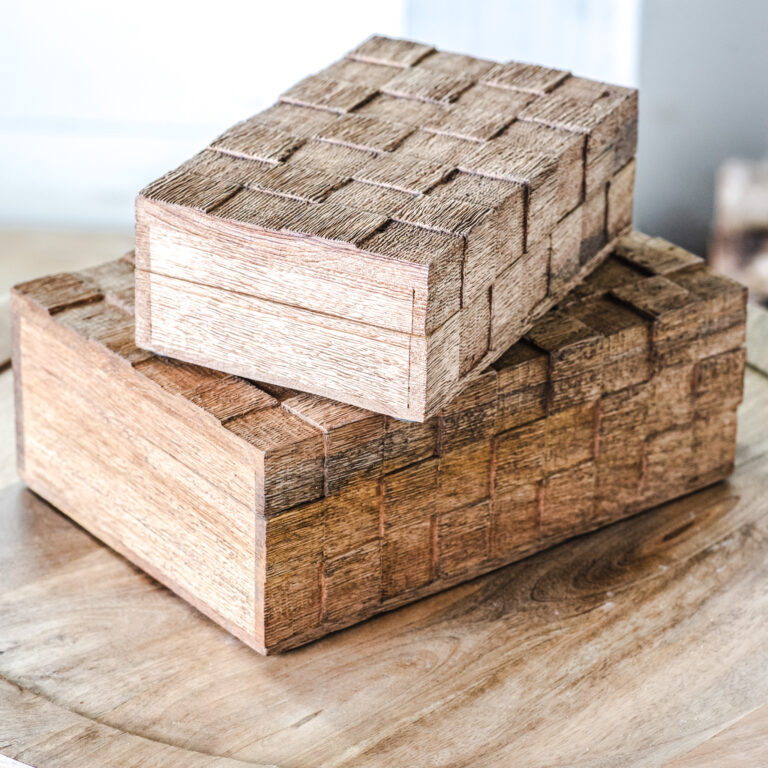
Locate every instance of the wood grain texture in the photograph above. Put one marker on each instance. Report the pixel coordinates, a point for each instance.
(633, 646)
(286, 516)
(55, 735)
(741, 745)
(347, 240)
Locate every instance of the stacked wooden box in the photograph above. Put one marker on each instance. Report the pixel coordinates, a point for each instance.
(388, 228)
(285, 515)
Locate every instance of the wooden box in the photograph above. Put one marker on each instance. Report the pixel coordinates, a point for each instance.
(388, 228)
(739, 243)
(285, 516)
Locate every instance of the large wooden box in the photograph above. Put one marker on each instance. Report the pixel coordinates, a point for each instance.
(285, 516)
(388, 228)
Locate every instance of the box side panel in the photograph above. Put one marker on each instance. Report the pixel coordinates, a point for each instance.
(280, 345)
(94, 447)
(530, 286)
(295, 271)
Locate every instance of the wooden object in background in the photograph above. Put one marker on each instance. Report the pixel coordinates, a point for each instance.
(285, 516)
(739, 245)
(388, 228)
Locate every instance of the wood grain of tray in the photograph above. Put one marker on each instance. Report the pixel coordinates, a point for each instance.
(641, 644)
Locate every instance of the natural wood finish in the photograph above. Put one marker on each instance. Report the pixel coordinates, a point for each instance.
(31, 253)
(45, 734)
(27, 254)
(620, 399)
(387, 229)
(638, 645)
(741, 745)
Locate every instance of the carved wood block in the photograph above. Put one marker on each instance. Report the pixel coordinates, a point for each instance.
(284, 516)
(388, 228)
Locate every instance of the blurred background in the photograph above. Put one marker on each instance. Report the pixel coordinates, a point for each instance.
(97, 99)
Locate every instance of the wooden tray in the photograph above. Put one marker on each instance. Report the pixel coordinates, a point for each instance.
(387, 229)
(285, 516)
(583, 646)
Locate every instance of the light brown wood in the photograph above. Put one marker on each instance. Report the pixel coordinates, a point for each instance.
(285, 516)
(27, 254)
(757, 324)
(741, 745)
(630, 647)
(387, 229)
(35, 729)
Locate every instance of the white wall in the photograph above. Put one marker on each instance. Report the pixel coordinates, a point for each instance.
(99, 97)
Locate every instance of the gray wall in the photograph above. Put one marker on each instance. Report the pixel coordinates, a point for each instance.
(703, 74)
(701, 65)
(594, 38)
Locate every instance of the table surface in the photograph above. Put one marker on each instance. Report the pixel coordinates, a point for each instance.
(643, 644)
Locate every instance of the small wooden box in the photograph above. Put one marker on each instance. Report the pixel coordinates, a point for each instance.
(388, 228)
(285, 516)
